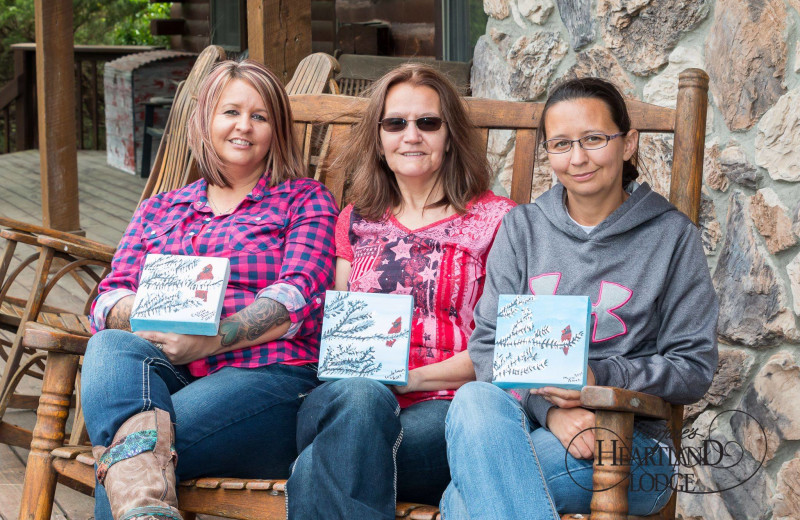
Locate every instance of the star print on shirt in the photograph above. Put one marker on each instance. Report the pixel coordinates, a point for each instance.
(428, 274)
(401, 289)
(435, 256)
(370, 280)
(402, 250)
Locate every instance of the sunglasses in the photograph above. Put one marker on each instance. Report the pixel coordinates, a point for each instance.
(398, 124)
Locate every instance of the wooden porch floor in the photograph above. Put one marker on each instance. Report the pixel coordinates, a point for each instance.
(107, 199)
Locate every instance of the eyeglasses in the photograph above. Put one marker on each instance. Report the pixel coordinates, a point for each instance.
(587, 142)
(398, 124)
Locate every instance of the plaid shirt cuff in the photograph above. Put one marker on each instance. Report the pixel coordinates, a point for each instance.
(290, 297)
(103, 305)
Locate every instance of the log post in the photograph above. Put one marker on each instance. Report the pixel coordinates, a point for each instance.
(39, 486)
(612, 465)
(55, 82)
(690, 137)
(279, 34)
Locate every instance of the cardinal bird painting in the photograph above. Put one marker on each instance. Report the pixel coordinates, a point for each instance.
(566, 335)
(394, 329)
(205, 274)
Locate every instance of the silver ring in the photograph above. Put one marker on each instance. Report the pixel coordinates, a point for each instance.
(159, 346)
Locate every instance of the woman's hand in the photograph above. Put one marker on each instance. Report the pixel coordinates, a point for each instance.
(561, 397)
(573, 427)
(412, 385)
(182, 349)
(449, 374)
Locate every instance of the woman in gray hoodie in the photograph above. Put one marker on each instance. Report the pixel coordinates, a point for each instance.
(596, 233)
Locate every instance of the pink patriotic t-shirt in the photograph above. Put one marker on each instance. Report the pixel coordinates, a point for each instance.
(442, 265)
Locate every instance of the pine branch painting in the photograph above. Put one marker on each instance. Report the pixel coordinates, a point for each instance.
(349, 361)
(365, 335)
(541, 340)
(182, 294)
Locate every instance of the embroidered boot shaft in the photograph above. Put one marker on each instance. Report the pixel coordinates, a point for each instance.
(138, 469)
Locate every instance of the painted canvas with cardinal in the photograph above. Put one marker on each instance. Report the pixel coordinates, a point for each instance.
(366, 335)
(541, 341)
(182, 294)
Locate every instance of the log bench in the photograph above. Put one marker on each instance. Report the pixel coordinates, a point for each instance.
(331, 117)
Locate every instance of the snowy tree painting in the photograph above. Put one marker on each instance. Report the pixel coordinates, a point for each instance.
(182, 294)
(541, 341)
(366, 335)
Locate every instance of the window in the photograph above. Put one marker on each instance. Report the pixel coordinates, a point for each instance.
(463, 22)
(228, 25)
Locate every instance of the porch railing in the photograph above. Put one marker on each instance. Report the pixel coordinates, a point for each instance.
(18, 113)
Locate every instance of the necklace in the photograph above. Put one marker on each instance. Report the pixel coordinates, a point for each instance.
(216, 209)
(228, 211)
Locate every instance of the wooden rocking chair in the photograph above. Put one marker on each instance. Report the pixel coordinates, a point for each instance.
(85, 260)
(264, 499)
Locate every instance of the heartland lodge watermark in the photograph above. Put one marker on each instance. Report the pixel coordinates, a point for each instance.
(700, 453)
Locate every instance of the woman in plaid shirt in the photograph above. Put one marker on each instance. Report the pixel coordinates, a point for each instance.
(233, 398)
(421, 223)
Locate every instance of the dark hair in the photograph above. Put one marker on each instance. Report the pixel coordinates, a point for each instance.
(465, 171)
(593, 88)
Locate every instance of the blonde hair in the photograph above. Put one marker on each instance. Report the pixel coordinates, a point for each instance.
(464, 173)
(284, 158)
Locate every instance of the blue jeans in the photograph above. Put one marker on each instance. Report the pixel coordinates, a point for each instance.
(504, 468)
(359, 453)
(236, 422)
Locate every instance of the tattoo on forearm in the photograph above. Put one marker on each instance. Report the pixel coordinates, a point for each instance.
(119, 317)
(252, 321)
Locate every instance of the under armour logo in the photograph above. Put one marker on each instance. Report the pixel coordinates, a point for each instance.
(612, 296)
(544, 283)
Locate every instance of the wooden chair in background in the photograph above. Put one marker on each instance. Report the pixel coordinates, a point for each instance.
(264, 499)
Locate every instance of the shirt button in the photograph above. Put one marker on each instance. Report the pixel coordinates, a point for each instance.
(318, 300)
(207, 219)
(153, 232)
(191, 233)
(258, 218)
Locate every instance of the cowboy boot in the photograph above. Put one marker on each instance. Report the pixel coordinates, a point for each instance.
(138, 469)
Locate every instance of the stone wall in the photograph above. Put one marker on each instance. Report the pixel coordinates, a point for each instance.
(751, 194)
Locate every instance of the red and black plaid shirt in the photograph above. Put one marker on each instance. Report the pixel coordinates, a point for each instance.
(280, 242)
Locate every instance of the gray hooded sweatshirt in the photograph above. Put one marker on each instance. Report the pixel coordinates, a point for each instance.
(654, 310)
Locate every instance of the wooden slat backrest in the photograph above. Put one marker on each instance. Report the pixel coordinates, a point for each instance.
(174, 166)
(340, 112)
(314, 75)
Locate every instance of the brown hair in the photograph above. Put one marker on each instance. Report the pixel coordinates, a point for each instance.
(593, 88)
(284, 158)
(464, 173)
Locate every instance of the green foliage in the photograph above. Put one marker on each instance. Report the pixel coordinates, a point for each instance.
(117, 22)
(477, 21)
(101, 22)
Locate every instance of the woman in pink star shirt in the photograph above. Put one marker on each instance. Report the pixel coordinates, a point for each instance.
(421, 222)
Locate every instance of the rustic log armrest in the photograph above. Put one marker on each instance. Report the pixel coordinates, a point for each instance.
(43, 232)
(83, 248)
(18, 225)
(613, 399)
(44, 337)
(18, 236)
